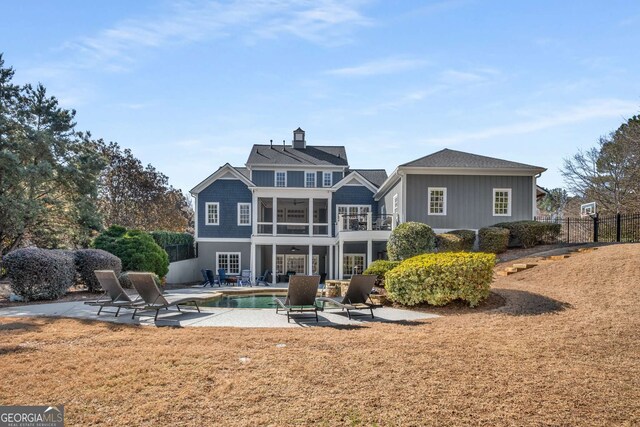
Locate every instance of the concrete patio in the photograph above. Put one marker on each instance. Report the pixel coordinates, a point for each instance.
(214, 316)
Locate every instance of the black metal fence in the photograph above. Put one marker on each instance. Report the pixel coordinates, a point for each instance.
(614, 228)
(180, 252)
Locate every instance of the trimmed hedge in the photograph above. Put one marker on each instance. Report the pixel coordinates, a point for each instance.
(410, 239)
(40, 274)
(440, 278)
(447, 242)
(380, 268)
(125, 281)
(468, 238)
(166, 238)
(530, 233)
(493, 239)
(137, 250)
(89, 260)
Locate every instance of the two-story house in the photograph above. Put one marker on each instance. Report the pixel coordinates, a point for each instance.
(301, 208)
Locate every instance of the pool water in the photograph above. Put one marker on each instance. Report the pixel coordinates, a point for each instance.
(243, 301)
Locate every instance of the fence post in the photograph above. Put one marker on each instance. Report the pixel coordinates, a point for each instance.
(568, 230)
(596, 226)
(618, 228)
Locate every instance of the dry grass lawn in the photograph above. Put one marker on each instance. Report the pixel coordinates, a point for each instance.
(563, 350)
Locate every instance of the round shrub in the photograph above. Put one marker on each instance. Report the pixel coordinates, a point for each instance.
(137, 250)
(380, 268)
(125, 281)
(40, 274)
(447, 242)
(493, 239)
(468, 238)
(410, 239)
(89, 260)
(440, 278)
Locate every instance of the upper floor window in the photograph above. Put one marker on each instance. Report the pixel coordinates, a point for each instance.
(244, 213)
(212, 213)
(310, 179)
(281, 179)
(437, 201)
(501, 202)
(327, 179)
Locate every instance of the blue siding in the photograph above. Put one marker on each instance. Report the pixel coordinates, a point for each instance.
(337, 176)
(319, 179)
(263, 178)
(352, 195)
(295, 179)
(227, 192)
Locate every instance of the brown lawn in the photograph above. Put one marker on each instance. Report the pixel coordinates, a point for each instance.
(564, 350)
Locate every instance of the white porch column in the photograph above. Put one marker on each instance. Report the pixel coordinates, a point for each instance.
(330, 221)
(339, 260)
(369, 252)
(274, 276)
(252, 262)
(254, 214)
(310, 216)
(310, 260)
(331, 273)
(369, 220)
(274, 216)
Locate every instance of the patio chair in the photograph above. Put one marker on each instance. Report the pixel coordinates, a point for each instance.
(245, 278)
(264, 278)
(222, 276)
(357, 295)
(211, 278)
(154, 299)
(114, 295)
(204, 276)
(301, 296)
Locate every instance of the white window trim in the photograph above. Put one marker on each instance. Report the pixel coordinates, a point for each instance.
(275, 178)
(229, 253)
(493, 201)
(330, 175)
(394, 204)
(315, 177)
(240, 223)
(444, 201)
(206, 213)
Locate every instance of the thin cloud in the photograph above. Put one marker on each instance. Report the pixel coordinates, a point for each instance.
(593, 110)
(382, 66)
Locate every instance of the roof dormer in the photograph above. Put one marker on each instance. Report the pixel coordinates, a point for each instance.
(298, 139)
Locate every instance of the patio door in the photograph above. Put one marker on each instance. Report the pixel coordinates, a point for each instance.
(295, 262)
(353, 264)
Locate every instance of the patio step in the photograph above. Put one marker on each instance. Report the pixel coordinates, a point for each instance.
(505, 272)
(524, 266)
(559, 257)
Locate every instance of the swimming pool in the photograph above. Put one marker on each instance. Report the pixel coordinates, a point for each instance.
(243, 301)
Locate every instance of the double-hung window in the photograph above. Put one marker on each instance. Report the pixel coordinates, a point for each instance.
(310, 179)
(281, 179)
(501, 202)
(437, 201)
(327, 179)
(212, 213)
(244, 213)
(229, 261)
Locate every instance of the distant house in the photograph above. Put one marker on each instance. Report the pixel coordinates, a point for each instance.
(301, 208)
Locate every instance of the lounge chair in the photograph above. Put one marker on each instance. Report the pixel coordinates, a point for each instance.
(114, 295)
(264, 278)
(204, 276)
(154, 299)
(211, 278)
(301, 296)
(357, 295)
(245, 278)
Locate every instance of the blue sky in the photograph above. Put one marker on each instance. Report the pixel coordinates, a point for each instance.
(191, 85)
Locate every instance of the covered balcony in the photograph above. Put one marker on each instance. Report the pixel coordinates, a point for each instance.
(293, 216)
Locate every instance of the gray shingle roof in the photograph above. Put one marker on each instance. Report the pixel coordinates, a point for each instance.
(374, 176)
(312, 155)
(458, 159)
(244, 171)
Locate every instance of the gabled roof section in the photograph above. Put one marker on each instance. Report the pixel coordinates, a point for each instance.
(224, 172)
(458, 159)
(356, 177)
(375, 176)
(312, 155)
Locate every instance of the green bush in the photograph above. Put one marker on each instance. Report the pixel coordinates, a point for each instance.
(440, 278)
(125, 280)
(468, 238)
(410, 239)
(446, 242)
(380, 268)
(530, 233)
(493, 239)
(166, 238)
(137, 250)
(40, 274)
(89, 260)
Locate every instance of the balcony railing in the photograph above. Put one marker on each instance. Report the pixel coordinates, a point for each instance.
(293, 228)
(366, 222)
